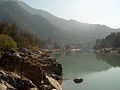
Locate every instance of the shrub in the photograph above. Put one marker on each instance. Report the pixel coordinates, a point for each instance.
(7, 42)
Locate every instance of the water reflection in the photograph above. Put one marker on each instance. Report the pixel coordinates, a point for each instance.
(98, 71)
(67, 53)
(111, 59)
(81, 63)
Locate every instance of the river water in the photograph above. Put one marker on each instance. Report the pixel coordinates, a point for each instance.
(99, 71)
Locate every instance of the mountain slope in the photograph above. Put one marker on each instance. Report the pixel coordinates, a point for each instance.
(86, 33)
(12, 12)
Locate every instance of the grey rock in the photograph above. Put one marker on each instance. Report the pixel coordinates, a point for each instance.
(22, 54)
(11, 81)
(78, 80)
(13, 51)
(15, 56)
(45, 87)
(34, 65)
(23, 50)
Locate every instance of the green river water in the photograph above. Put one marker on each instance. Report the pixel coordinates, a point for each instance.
(99, 71)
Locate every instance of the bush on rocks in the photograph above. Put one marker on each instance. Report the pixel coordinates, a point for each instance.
(7, 42)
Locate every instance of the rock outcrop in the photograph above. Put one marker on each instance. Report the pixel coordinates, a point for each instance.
(11, 81)
(34, 65)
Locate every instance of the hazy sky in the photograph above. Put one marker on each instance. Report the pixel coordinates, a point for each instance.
(90, 11)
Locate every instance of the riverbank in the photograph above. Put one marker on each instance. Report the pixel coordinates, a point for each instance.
(108, 50)
(39, 68)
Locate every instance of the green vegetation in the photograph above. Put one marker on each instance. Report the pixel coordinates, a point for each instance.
(12, 36)
(12, 12)
(7, 42)
(111, 41)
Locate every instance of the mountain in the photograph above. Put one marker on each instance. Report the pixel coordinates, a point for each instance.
(12, 12)
(86, 33)
(46, 25)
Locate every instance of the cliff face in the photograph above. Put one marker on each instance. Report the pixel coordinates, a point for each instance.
(34, 65)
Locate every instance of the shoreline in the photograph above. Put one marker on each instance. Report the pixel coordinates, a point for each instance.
(108, 50)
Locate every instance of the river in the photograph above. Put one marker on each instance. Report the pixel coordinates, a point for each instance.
(99, 71)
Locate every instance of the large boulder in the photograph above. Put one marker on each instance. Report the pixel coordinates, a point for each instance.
(53, 83)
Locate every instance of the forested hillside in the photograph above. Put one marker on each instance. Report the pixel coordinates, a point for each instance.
(12, 37)
(12, 12)
(111, 41)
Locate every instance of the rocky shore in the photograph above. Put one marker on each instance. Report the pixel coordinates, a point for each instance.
(9, 80)
(33, 69)
(108, 50)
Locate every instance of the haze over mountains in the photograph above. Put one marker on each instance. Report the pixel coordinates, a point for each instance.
(12, 12)
(46, 25)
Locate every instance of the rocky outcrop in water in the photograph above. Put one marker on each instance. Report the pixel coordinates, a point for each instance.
(34, 65)
(78, 80)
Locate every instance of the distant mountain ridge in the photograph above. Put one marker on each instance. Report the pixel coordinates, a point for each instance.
(47, 25)
(12, 12)
(86, 33)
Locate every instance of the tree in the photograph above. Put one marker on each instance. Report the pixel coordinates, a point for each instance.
(7, 42)
(22, 38)
(111, 41)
